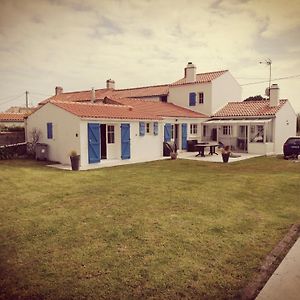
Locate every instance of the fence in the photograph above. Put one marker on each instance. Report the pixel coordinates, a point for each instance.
(10, 138)
(10, 151)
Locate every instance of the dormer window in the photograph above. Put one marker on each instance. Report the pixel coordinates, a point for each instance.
(201, 98)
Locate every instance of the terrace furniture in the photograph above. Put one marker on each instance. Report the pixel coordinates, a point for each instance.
(191, 145)
(201, 146)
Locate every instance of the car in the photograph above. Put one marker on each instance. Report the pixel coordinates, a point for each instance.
(292, 146)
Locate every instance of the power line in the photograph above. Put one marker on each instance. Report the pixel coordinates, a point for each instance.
(12, 100)
(11, 97)
(280, 78)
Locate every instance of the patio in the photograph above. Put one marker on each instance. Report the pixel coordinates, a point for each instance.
(215, 158)
(181, 155)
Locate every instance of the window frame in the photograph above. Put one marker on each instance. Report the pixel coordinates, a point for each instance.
(201, 98)
(227, 130)
(49, 130)
(110, 134)
(193, 129)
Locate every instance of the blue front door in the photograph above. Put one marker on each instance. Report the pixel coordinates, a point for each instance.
(125, 141)
(94, 142)
(184, 136)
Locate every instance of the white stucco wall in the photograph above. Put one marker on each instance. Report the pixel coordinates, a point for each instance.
(285, 126)
(145, 147)
(149, 146)
(65, 128)
(224, 89)
(179, 95)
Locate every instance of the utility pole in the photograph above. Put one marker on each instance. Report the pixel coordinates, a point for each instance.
(26, 93)
(268, 62)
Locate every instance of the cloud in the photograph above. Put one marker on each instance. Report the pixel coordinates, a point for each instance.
(80, 44)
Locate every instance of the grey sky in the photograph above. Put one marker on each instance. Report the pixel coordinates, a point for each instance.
(79, 45)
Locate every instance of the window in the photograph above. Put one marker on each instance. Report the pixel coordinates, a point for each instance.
(147, 127)
(49, 131)
(155, 128)
(226, 130)
(257, 134)
(201, 98)
(110, 134)
(142, 128)
(192, 99)
(193, 128)
(164, 98)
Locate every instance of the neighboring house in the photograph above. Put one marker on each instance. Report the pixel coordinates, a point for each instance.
(20, 109)
(11, 120)
(258, 127)
(132, 129)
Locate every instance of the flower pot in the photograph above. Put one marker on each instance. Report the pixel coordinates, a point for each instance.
(225, 157)
(75, 162)
(173, 155)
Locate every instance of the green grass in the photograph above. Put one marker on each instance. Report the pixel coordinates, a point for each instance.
(159, 230)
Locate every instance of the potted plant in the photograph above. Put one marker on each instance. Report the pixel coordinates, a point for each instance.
(173, 149)
(225, 154)
(75, 159)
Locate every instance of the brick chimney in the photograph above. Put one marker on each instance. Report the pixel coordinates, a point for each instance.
(58, 90)
(274, 95)
(190, 72)
(110, 84)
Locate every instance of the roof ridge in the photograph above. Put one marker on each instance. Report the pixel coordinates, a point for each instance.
(91, 104)
(212, 72)
(142, 87)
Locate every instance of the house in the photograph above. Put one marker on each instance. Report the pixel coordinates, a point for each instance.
(8, 119)
(128, 129)
(257, 127)
(133, 123)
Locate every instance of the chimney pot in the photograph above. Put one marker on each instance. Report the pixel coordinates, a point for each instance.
(58, 90)
(110, 84)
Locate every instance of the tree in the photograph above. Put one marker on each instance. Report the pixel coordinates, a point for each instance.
(255, 98)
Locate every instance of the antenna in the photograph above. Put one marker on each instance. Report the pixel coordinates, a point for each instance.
(268, 62)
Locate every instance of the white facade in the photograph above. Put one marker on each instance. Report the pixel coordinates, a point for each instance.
(256, 135)
(224, 89)
(66, 131)
(71, 133)
(216, 94)
(285, 126)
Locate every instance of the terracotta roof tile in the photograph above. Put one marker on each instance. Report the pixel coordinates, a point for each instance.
(202, 77)
(249, 109)
(138, 92)
(128, 109)
(106, 111)
(84, 96)
(12, 117)
(161, 109)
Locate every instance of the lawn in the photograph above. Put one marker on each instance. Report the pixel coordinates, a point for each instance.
(159, 230)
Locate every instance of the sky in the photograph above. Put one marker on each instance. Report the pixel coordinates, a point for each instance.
(80, 44)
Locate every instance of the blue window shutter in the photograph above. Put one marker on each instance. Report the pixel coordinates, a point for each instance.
(184, 136)
(192, 99)
(142, 128)
(167, 132)
(155, 128)
(49, 131)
